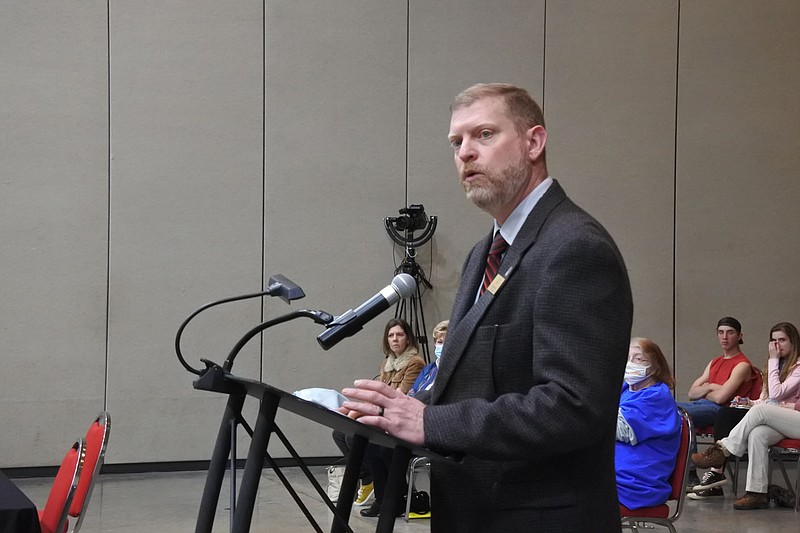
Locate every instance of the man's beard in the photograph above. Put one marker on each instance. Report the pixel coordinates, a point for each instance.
(497, 189)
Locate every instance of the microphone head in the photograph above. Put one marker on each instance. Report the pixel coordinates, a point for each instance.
(405, 285)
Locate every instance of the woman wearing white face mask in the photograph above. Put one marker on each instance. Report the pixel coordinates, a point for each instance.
(648, 428)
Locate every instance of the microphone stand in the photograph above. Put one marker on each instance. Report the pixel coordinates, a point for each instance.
(216, 378)
(279, 286)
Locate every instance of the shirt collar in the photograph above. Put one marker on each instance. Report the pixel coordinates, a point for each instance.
(520, 213)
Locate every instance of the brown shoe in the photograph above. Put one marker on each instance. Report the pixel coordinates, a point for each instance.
(712, 457)
(752, 500)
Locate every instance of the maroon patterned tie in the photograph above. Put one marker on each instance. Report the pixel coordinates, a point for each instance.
(499, 245)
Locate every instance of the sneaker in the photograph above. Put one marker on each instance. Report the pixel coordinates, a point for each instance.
(706, 494)
(692, 481)
(751, 500)
(711, 480)
(714, 456)
(364, 494)
(372, 511)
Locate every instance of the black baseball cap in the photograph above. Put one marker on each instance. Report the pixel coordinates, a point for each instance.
(731, 323)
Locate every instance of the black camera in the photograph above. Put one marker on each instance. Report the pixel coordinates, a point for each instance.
(412, 218)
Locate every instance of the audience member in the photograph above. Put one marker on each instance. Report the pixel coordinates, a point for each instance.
(725, 377)
(399, 369)
(425, 379)
(648, 428)
(781, 370)
(773, 417)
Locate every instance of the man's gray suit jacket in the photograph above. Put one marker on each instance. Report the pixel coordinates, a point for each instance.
(529, 382)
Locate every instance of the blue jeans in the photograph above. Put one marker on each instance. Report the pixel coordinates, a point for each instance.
(703, 413)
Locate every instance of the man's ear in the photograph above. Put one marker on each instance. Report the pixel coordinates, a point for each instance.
(536, 137)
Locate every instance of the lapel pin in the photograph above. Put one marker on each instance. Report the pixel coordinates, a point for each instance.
(497, 282)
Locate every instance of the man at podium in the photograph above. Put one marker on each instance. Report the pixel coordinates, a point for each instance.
(528, 383)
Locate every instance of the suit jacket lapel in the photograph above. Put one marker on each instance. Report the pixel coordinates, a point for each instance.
(470, 279)
(466, 315)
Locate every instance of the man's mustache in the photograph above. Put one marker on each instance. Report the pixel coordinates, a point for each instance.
(469, 169)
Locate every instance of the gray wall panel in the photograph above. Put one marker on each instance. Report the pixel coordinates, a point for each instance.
(53, 207)
(447, 55)
(252, 138)
(335, 167)
(738, 155)
(186, 92)
(610, 109)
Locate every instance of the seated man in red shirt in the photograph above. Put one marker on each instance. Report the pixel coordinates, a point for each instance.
(725, 377)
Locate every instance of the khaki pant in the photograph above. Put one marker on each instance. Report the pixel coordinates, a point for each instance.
(762, 426)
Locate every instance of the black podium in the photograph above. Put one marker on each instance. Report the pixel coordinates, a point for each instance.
(270, 399)
(216, 378)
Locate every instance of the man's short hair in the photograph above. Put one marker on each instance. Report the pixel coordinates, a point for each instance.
(520, 106)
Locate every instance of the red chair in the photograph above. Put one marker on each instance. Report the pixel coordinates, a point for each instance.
(96, 443)
(788, 449)
(661, 514)
(53, 518)
(758, 384)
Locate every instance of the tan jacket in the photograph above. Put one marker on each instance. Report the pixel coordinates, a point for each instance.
(399, 372)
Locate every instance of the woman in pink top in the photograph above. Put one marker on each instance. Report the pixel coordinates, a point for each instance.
(773, 417)
(782, 372)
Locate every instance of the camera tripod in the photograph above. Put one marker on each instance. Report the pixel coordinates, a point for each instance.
(401, 230)
(411, 309)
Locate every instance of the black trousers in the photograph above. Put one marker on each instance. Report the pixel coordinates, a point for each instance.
(345, 443)
(379, 460)
(727, 418)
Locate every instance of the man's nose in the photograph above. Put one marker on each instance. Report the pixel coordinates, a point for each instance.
(467, 152)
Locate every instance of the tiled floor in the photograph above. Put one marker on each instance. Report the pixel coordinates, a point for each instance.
(168, 503)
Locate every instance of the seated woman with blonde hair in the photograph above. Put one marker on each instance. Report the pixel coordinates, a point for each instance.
(428, 375)
(648, 428)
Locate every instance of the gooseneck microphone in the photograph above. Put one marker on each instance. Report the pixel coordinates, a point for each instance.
(351, 321)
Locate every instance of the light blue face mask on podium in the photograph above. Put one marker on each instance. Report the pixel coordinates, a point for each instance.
(329, 398)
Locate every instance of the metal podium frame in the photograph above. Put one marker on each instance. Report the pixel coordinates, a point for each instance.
(216, 379)
(219, 379)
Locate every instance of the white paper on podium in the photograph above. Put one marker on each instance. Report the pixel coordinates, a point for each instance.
(332, 399)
